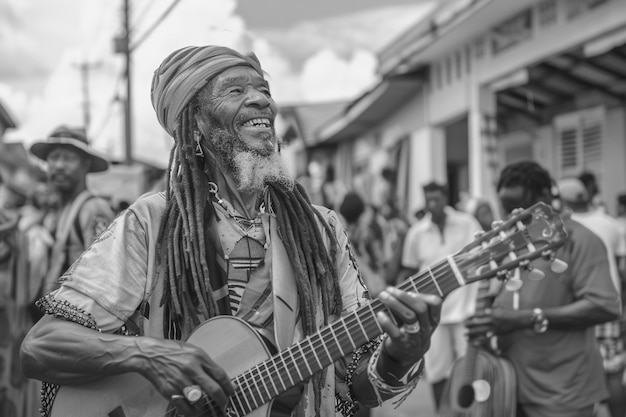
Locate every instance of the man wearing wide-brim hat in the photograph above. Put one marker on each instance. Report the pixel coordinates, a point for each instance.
(81, 216)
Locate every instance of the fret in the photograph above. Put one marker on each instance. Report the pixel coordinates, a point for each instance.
(244, 390)
(353, 345)
(286, 368)
(432, 276)
(269, 374)
(371, 308)
(306, 363)
(330, 357)
(313, 351)
(236, 404)
(264, 382)
(275, 366)
(295, 362)
(332, 331)
(455, 270)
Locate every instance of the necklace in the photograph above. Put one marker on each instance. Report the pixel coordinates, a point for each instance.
(244, 223)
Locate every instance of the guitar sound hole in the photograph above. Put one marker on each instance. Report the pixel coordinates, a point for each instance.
(466, 396)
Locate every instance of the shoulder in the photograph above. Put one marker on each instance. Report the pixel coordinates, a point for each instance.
(149, 206)
(580, 238)
(96, 206)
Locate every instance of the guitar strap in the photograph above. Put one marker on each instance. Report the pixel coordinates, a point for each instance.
(59, 255)
(284, 288)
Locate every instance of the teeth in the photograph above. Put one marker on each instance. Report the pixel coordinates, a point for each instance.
(261, 122)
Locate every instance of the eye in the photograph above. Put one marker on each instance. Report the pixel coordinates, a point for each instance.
(266, 91)
(235, 90)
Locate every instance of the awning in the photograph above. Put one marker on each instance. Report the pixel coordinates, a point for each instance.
(371, 109)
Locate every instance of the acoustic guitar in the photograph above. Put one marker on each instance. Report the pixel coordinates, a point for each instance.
(260, 377)
(481, 383)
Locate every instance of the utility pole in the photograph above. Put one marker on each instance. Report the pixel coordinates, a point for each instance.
(122, 45)
(84, 69)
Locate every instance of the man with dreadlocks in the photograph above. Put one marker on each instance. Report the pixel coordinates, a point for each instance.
(546, 327)
(233, 235)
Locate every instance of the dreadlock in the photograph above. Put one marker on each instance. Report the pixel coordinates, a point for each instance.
(188, 255)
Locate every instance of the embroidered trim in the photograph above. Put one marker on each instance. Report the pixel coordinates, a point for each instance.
(349, 407)
(66, 311)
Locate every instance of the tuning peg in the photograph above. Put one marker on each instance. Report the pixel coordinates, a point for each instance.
(558, 266)
(478, 234)
(496, 223)
(536, 274)
(548, 255)
(514, 284)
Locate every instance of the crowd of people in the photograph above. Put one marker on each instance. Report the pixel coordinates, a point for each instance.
(235, 245)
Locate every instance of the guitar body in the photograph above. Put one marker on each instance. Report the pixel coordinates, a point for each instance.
(489, 392)
(229, 341)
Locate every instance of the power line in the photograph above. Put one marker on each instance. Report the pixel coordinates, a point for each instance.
(154, 25)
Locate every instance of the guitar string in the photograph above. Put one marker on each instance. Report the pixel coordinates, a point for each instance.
(350, 324)
(299, 353)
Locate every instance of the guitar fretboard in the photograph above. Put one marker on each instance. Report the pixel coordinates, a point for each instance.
(274, 376)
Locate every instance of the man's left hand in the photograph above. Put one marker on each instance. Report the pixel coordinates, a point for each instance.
(415, 317)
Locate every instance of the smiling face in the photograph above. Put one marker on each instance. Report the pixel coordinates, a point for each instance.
(239, 101)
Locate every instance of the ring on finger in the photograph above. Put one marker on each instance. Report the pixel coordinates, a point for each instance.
(411, 328)
(192, 393)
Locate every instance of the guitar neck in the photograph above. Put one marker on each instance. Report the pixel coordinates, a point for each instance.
(270, 378)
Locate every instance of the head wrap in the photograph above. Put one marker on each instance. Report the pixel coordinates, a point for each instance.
(185, 72)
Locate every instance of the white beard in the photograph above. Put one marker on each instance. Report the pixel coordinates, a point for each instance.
(253, 171)
(252, 168)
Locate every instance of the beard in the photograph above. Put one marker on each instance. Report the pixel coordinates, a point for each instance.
(253, 168)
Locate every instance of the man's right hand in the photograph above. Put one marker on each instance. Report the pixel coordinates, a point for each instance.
(172, 365)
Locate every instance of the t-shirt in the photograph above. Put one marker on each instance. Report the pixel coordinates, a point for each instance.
(562, 367)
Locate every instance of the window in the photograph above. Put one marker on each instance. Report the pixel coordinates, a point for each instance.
(580, 137)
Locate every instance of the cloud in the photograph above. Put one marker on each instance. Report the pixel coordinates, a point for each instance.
(45, 42)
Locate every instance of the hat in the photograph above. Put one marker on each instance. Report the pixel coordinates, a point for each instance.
(71, 137)
(572, 190)
(185, 72)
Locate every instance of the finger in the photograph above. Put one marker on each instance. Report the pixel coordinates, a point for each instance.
(181, 405)
(388, 325)
(214, 391)
(220, 376)
(396, 306)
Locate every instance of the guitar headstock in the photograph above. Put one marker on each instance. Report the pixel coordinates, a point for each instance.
(527, 235)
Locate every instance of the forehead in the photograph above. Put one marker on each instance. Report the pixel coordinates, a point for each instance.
(62, 150)
(516, 192)
(239, 75)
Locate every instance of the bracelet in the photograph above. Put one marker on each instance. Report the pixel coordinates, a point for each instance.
(409, 380)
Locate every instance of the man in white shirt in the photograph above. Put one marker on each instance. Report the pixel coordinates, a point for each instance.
(442, 232)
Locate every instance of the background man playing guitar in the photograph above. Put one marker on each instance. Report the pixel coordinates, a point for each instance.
(233, 236)
(546, 328)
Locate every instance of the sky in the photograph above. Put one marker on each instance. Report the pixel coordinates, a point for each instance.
(313, 52)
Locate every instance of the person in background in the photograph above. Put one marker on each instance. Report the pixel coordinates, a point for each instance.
(547, 327)
(232, 235)
(442, 232)
(366, 240)
(480, 208)
(590, 181)
(576, 198)
(81, 216)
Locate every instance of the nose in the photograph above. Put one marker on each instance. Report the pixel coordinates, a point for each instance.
(258, 99)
